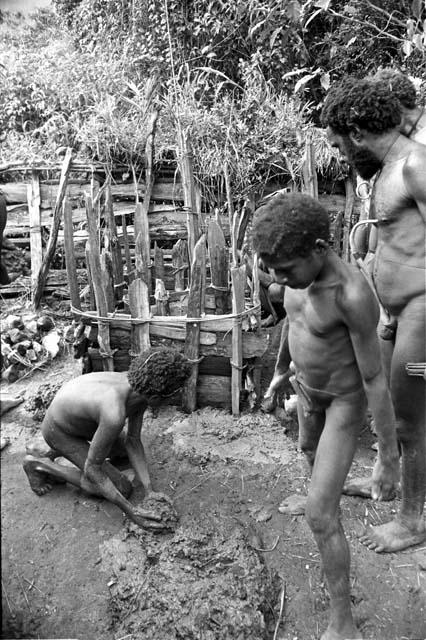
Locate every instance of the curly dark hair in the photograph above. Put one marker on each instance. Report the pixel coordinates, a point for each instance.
(288, 225)
(371, 106)
(158, 372)
(399, 85)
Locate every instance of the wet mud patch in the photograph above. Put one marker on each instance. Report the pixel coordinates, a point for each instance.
(198, 583)
(213, 434)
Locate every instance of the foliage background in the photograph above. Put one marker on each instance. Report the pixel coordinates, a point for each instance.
(246, 79)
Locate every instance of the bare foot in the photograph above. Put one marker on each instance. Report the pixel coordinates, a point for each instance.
(392, 536)
(294, 505)
(40, 481)
(362, 487)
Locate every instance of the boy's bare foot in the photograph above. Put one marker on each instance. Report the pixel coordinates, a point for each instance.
(294, 505)
(40, 481)
(362, 487)
(392, 536)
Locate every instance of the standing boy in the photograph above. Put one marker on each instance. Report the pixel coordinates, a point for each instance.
(84, 424)
(332, 317)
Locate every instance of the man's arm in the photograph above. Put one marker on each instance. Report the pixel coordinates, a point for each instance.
(361, 315)
(281, 372)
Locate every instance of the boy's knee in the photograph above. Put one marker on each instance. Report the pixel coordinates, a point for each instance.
(319, 520)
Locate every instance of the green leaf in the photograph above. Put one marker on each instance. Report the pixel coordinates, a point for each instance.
(416, 8)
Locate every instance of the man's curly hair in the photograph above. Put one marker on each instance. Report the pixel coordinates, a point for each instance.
(158, 372)
(369, 105)
(399, 85)
(288, 225)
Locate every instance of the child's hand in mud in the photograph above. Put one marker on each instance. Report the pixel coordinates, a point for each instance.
(146, 519)
(162, 505)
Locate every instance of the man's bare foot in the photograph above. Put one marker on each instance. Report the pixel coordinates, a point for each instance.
(294, 505)
(392, 536)
(362, 487)
(40, 481)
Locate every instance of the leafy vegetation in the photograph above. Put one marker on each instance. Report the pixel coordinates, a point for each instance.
(245, 79)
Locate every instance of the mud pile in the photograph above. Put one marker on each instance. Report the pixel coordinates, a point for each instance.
(197, 584)
(38, 403)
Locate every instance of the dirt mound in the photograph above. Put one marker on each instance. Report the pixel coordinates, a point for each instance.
(39, 402)
(198, 584)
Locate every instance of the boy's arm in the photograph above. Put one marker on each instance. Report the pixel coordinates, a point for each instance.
(136, 451)
(361, 315)
(107, 432)
(281, 372)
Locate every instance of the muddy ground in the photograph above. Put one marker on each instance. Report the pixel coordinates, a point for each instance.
(73, 567)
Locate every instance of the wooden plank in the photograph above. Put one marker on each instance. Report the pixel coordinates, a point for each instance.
(180, 263)
(37, 291)
(158, 263)
(309, 173)
(70, 261)
(16, 192)
(162, 191)
(337, 233)
(92, 300)
(219, 266)
(195, 308)
(36, 246)
(238, 279)
(96, 277)
(139, 308)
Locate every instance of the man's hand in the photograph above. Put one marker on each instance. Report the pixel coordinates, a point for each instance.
(385, 479)
(146, 519)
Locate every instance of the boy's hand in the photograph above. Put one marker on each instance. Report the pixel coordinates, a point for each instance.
(385, 479)
(146, 519)
(276, 385)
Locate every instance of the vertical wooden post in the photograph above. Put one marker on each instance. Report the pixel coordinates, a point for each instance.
(70, 261)
(96, 274)
(337, 233)
(92, 301)
(36, 247)
(219, 266)
(114, 246)
(180, 263)
(108, 279)
(126, 249)
(310, 180)
(142, 247)
(51, 245)
(347, 224)
(238, 279)
(139, 308)
(195, 308)
(188, 185)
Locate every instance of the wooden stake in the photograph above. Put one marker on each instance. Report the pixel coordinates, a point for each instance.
(92, 301)
(126, 249)
(238, 279)
(70, 261)
(139, 308)
(179, 262)
(188, 185)
(143, 245)
(36, 246)
(310, 179)
(51, 245)
(96, 274)
(195, 309)
(114, 246)
(108, 279)
(219, 266)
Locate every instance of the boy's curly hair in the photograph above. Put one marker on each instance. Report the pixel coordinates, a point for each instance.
(371, 106)
(288, 225)
(399, 85)
(158, 372)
